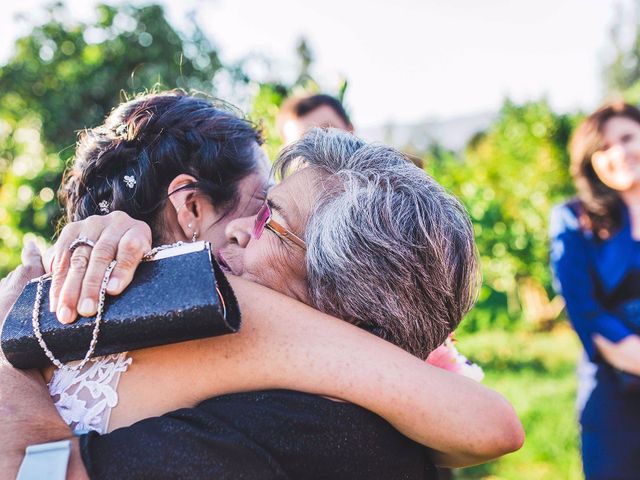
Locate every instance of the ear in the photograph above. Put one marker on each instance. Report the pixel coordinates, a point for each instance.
(186, 204)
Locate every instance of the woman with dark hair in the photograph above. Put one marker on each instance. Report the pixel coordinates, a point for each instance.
(170, 160)
(163, 148)
(595, 255)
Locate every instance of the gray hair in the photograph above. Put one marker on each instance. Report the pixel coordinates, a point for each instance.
(388, 248)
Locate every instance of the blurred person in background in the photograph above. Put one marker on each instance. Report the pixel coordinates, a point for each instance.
(298, 115)
(595, 256)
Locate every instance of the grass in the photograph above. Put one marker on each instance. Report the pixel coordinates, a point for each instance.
(536, 372)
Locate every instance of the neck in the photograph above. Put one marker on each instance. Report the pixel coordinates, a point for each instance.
(631, 198)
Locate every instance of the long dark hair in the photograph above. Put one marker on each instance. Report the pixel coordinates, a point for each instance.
(601, 207)
(128, 162)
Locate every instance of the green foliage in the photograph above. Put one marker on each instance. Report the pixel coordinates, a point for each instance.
(622, 74)
(536, 373)
(270, 96)
(509, 179)
(305, 56)
(67, 76)
(266, 105)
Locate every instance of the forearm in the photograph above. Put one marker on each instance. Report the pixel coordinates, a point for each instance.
(28, 417)
(464, 422)
(284, 344)
(572, 266)
(623, 355)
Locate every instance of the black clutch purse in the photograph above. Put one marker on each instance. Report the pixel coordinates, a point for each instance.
(180, 294)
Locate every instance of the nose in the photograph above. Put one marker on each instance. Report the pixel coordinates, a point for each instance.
(625, 150)
(623, 158)
(239, 231)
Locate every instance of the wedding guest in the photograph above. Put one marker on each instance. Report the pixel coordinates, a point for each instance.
(595, 255)
(298, 115)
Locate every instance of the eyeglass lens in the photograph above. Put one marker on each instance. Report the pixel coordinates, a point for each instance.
(261, 220)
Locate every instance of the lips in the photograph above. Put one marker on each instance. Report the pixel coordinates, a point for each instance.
(223, 264)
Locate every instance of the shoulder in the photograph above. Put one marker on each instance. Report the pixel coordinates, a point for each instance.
(565, 219)
(308, 433)
(569, 241)
(272, 434)
(261, 411)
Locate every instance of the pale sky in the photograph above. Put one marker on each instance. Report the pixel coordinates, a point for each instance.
(409, 60)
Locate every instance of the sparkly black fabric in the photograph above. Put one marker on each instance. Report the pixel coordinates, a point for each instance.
(185, 306)
(274, 434)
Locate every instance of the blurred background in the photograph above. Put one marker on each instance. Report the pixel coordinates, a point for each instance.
(484, 94)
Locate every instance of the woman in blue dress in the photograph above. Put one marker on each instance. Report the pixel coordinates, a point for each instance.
(595, 256)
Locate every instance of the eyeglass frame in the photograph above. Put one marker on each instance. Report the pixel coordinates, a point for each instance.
(275, 227)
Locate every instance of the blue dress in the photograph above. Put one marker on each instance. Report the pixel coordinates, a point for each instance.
(600, 282)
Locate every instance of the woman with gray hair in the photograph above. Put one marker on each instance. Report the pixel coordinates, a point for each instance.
(387, 248)
(360, 233)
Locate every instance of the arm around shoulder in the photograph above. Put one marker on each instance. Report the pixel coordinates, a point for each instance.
(290, 345)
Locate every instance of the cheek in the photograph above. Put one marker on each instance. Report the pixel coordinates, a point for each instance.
(276, 267)
(261, 264)
(619, 177)
(216, 235)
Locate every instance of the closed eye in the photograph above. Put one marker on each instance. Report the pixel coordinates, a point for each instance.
(628, 137)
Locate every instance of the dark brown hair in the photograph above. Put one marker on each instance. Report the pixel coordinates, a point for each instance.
(299, 107)
(601, 206)
(150, 140)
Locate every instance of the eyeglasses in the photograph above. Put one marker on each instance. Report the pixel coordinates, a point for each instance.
(264, 220)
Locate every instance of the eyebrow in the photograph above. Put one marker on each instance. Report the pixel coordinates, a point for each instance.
(261, 192)
(277, 208)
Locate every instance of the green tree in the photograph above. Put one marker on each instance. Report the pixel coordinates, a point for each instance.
(65, 76)
(270, 95)
(264, 109)
(305, 57)
(509, 179)
(621, 74)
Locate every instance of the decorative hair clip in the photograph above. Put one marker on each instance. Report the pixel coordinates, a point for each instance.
(104, 206)
(130, 181)
(121, 130)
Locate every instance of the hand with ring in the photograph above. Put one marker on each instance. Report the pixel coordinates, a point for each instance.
(83, 253)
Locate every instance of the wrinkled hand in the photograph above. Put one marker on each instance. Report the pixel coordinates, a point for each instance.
(624, 355)
(11, 286)
(77, 276)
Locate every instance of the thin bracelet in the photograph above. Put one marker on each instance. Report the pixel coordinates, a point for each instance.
(35, 321)
(224, 307)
